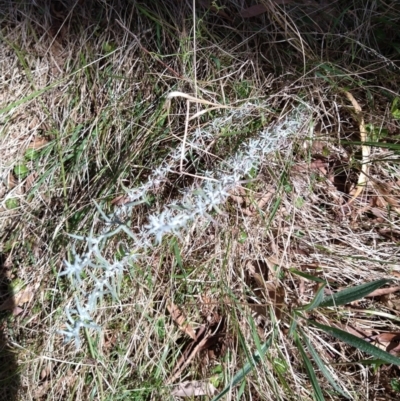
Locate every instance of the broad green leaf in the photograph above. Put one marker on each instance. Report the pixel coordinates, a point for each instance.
(358, 343)
(245, 370)
(310, 371)
(31, 154)
(319, 296)
(21, 170)
(322, 366)
(395, 109)
(352, 294)
(396, 114)
(12, 203)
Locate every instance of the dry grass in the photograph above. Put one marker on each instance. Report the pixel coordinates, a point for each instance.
(82, 116)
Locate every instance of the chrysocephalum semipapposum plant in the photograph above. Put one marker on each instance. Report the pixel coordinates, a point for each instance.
(102, 274)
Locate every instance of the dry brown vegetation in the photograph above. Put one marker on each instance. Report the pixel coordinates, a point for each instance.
(83, 115)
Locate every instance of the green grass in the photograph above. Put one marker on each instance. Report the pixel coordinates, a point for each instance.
(92, 92)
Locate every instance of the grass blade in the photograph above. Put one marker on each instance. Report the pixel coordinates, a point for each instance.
(358, 343)
(308, 276)
(319, 297)
(246, 370)
(352, 294)
(310, 371)
(322, 366)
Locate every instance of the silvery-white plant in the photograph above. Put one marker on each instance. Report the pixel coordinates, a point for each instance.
(196, 203)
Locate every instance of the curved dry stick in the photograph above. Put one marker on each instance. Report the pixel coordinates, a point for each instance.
(365, 150)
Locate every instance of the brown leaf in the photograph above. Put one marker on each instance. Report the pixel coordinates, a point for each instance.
(120, 200)
(383, 291)
(394, 349)
(45, 371)
(271, 292)
(389, 342)
(38, 143)
(319, 165)
(390, 233)
(253, 11)
(265, 199)
(30, 180)
(180, 319)
(194, 348)
(19, 299)
(12, 303)
(24, 296)
(388, 337)
(17, 311)
(40, 390)
(193, 388)
(12, 182)
(252, 204)
(352, 330)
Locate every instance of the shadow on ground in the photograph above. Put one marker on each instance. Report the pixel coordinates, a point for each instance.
(9, 375)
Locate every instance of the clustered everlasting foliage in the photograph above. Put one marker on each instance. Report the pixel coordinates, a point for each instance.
(195, 203)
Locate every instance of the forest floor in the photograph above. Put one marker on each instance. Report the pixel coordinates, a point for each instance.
(199, 203)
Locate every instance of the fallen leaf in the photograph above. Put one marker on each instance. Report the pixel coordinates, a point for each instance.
(253, 11)
(388, 337)
(265, 291)
(192, 350)
(24, 296)
(357, 332)
(38, 143)
(40, 390)
(261, 202)
(30, 180)
(45, 371)
(193, 389)
(390, 233)
(17, 311)
(319, 165)
(120, 200)
(383, 291)
(389, 342)
(19, 299)
(180, 319)
(12, 181)
(394, 349)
